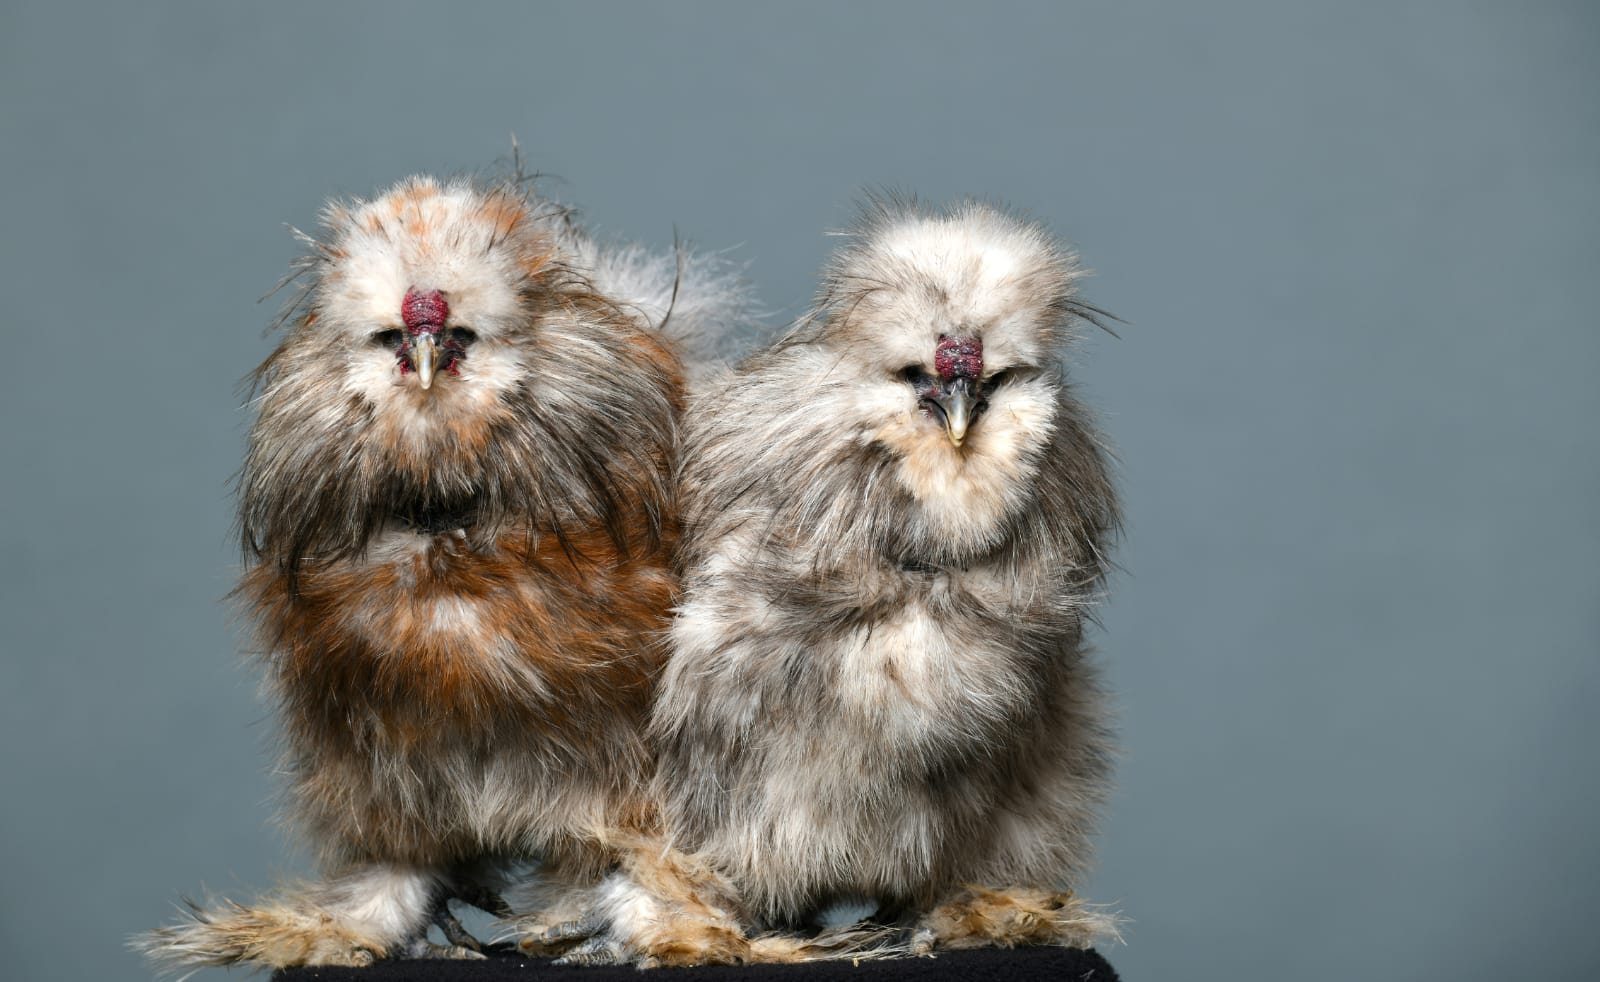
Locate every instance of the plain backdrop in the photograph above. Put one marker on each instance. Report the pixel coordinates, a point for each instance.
(1355, 643)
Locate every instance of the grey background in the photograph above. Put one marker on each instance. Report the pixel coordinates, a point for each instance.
(1356, 640)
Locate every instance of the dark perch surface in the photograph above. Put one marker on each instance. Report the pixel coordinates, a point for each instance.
(999, 965)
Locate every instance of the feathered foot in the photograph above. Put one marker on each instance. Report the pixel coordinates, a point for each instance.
(666, 908)
(274, 935)
(376, 911)
(544, 934)
(659, 908)
(1005, 918)
(559, 901)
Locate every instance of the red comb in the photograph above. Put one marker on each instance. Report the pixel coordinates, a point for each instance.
(959, 358)
(424, 309)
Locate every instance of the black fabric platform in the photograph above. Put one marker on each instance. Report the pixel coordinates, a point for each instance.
(986, 965)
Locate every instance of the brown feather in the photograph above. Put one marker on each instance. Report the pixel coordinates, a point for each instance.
(459, 588)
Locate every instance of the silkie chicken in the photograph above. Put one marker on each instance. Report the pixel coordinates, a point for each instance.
(895, 524)
(459, 517)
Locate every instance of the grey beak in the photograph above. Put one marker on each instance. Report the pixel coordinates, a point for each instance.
(958, 405)
(424, 355)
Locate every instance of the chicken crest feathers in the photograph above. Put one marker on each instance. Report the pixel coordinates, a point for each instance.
(565, 412)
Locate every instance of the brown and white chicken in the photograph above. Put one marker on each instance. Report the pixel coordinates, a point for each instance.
(459, 520)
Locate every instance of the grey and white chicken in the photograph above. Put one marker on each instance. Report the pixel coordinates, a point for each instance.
(895, 528)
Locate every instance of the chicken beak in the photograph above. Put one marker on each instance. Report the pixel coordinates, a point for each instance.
(958, 405)
(424, 355)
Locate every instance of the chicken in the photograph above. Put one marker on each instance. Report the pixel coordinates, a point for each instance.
(895, 523)
(459, 518)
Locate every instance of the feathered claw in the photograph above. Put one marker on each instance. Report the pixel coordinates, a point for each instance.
(569, 931)
(598, 950)
(425, 949)
(681, 939)
(274, 936)
(536, 938)
(1006, 918)
(665, 908)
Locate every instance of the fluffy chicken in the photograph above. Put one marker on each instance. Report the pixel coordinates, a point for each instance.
(459, 519)
(895, 524)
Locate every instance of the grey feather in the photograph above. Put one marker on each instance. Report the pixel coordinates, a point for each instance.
(879, 687)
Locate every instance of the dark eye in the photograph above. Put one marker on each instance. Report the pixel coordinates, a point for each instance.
(387, 339)
(996, 380)
(914, 375)
(462, 336)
